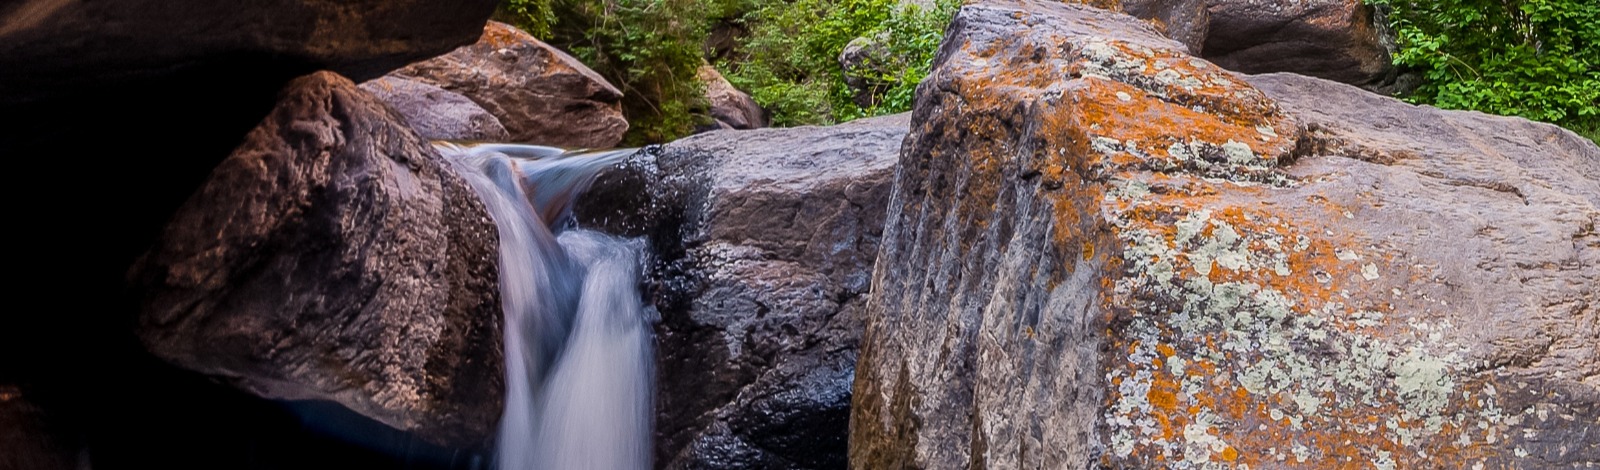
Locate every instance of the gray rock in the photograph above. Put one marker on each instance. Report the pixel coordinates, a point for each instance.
(436, 113)
(1154, 262)
(863, 60)
(334, 257)
(540, 94)
(765, 241)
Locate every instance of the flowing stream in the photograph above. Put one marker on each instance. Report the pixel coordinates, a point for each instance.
(578, 345)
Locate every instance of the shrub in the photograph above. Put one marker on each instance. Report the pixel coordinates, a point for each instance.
(1538, 59)
(790, 61)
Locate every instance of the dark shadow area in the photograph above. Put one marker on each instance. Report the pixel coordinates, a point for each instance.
(94, 177)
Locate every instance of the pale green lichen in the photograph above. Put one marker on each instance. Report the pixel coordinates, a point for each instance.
(1266, 343)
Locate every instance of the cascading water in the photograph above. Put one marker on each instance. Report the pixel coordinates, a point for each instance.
(578, 345)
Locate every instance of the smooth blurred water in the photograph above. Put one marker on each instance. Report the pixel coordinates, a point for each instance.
(579, 364)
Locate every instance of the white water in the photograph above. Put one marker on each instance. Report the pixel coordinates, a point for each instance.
(579, 378)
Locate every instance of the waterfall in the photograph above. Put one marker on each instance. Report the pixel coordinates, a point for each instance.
(578, 353)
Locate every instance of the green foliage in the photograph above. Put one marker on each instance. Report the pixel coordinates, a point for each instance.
(650, 49)
(790, 61)
(787, 61)
(533, 16)
(1538, 59)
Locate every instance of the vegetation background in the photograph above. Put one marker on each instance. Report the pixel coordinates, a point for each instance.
(1538, 59)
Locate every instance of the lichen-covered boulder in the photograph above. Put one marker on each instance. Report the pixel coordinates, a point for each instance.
(333, 256)
(766, 240)
(436, 113)
(540, 94)
(1101, 251)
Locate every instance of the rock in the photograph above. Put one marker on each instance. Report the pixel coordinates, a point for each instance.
(1332, 39)
(863, 60)
(436, 113)
(765, 241)
(731, 108)
(1103, 252)
(57, 47)
(334, 257)
(32, 438)
(540, 94)
(1186, 21)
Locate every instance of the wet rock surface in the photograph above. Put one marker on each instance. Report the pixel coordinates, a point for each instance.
(436, 113)
(765, 241)
(1102, 251)
(333, 257)
(539, 93)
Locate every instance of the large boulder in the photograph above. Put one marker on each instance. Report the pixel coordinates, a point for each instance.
(52, 47)
(1338, 40)
(765, 240)
(333, 256)
(436, 113)
(540, 94)
(1332, 39)
(1104, 252)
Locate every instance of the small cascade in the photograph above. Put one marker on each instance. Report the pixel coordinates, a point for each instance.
(578, 345)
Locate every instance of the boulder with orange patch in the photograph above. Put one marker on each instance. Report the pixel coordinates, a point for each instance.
(1104, 252)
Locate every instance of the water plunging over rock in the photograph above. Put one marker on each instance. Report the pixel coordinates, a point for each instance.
(579, 379)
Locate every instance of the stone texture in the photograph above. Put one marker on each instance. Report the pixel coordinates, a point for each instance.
(1186, 21)
(765, 241)
(1338, 40)
(1103, 252)
(1332, 39)
(540, 94)
(730, 108)
(436, 113)
(53, 47)
(334, 257)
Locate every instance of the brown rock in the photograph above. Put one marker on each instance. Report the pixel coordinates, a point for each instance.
(733, 108)
(436, 113)
(334, 257)
(50, 47)
(1331, 39)
(540, 94)
(1186, 21)
(1153, 262)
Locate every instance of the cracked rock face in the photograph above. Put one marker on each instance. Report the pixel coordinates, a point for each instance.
(765, 241)
(1101, 251)
(334, 257)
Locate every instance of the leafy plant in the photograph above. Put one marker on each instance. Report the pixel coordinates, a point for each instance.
(1538, 59)
(790, 61)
